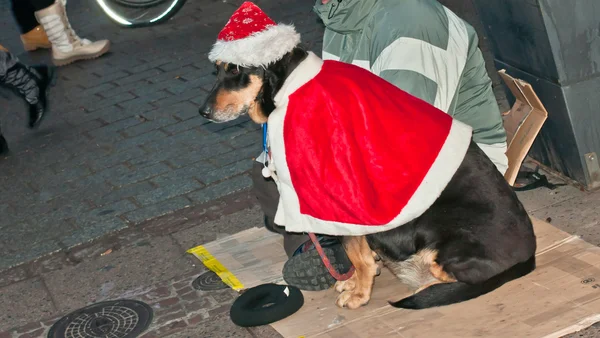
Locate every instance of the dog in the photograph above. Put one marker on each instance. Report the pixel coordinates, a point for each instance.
(475, 237)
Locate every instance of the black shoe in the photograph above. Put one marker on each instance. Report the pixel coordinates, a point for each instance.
(306, 271)
(31, 83)
(3, 146)
(46, 79)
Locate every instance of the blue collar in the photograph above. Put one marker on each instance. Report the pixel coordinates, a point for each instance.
(265, 147)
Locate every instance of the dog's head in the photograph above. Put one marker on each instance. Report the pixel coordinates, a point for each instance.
(248, 90)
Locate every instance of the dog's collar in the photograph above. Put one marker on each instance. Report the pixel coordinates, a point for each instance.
(265, 135)
(304, 72)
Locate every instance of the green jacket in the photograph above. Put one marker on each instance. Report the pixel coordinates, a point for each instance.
(421, 47)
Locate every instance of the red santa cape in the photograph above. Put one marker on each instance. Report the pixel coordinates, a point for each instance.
(355, 155)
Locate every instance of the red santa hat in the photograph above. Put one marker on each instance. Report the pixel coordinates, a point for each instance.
(251, 38)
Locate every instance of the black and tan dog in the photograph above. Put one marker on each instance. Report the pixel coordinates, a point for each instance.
(475, 237)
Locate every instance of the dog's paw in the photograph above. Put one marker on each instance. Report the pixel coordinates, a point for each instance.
(345, 285)
(352, 299)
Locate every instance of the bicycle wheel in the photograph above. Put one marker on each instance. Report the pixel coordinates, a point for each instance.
(140, 13)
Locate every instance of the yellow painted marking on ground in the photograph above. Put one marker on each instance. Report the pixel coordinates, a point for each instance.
(215, 266)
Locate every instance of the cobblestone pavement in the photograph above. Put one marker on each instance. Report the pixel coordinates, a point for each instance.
(125, 165)
(146, 262)
(124, 142)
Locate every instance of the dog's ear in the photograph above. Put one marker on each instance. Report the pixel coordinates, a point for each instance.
(270, 89)
(274, 75)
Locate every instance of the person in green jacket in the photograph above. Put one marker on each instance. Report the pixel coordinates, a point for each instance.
(424, 49)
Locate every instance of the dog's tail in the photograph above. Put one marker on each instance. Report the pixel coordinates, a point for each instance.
(456, 292)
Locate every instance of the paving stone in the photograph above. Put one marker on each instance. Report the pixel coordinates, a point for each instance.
(114, 77)
(114, 159)
(174, 189)
(180, 96)
(221, 189)
(122, 97)
(138, 105)
(109, 114)
(200, 154)
(185, 110)
(222, 227)
(243, 154)
(117, 275)
(27, 300)
(577, 216)
(104, 175)
(98, 89)
(114, 127)
(226, 171)
(91, 231)
(265, 331)
(153, 136)
(139, 174)
(138, 76)
(246, 140)
(158, 209)
(124, 192)
(186, 125)
(13, 276)
(26, 253)
(148, 126)
(191, 172)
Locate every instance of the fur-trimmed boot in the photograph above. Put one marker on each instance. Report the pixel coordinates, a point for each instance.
(32, 84)
(67, 47)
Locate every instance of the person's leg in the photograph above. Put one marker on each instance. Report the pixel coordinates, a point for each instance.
(3, 144)
(67, 46)
(304, 268)
(31, 83)
(23, 13)
(497, 153)
(38, 5)
(33, 35)
(267, 195)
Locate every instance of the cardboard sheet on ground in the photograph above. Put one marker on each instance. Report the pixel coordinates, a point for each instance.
(561, 296)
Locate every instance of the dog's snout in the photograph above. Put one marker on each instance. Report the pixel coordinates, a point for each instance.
(204, 112)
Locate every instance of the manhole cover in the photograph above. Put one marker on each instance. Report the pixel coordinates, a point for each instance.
(113, 319)
(208, 281)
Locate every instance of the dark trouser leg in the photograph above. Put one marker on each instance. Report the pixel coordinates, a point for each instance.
(3, 144)
(267, 194)
(23, 11)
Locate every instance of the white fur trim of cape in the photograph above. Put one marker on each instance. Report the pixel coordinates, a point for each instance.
(259, 49)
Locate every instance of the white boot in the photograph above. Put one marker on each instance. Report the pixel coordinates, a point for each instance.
(67, 47)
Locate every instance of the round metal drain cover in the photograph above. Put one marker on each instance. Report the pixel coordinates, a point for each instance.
(113, 319)
(208, 281)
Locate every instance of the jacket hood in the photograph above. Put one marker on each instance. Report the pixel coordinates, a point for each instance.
(345, 16)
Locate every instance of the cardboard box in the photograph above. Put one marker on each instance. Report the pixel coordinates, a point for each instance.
(561, 296)
(522, 123)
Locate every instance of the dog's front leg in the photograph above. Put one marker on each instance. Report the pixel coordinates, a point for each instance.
(357, 290)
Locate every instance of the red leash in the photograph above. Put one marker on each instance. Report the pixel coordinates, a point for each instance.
(330, 268)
